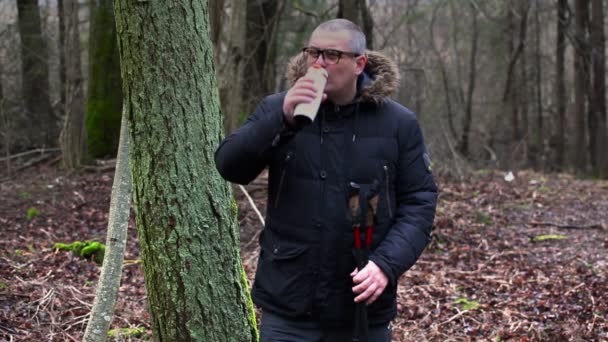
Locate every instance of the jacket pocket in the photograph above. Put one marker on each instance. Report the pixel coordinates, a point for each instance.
(284, 274)
(284, 165)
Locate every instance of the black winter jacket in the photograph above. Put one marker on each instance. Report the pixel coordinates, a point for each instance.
(307, 244)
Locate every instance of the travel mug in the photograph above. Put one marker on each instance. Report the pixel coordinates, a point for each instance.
(305, 113)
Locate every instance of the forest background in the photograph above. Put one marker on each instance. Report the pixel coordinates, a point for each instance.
(498, 86)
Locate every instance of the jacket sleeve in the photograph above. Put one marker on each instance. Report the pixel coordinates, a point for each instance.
(416, 198)
(245, 153)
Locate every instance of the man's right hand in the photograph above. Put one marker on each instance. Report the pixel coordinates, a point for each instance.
(303, 91)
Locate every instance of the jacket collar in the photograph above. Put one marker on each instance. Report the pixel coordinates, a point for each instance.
(379, 79)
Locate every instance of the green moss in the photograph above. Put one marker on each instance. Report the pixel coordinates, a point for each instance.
(86, 250)
(19, 252)
(25, 195)
(32, 212)
(3, 286)
(250, 306)
(467, 304)
(541, 238)
(126, 332)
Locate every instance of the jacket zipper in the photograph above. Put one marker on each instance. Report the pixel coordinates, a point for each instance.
(388, 193)
(282, 179)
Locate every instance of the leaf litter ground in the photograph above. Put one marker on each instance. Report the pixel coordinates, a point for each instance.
(509, 261)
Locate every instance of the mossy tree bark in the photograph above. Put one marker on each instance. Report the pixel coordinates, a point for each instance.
(40, 121)
(73, 135)
(104, 100)
(185, 215)
(116, 241)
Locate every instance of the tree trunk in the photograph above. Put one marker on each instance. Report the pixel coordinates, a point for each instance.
(116, 241)
(560, 87)
(468, 115)
(538, 151)
(5, 127)
(581, 82)
(597, 119)
(231, 87)
(40, 121)
(444, 73)
(61, 51)
(216, 18)
(185, 213)
(104, 98)
(262, 23)
(73, 136)
(358, 12)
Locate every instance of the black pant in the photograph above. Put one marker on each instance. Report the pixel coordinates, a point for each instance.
(275, 328)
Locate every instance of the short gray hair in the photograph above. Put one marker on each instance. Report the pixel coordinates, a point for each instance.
(357, 42)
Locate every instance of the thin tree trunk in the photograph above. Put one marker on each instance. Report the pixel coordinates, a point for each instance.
(116, 241)
(5, 127)
(104, 97)
(560, 87)
(597, 119)
(261, 23)
(231, 86)
(358, 12)
(539, 150)
(581, 82)
(73, 135)
(468, 116)
(521, 96)
(186, 221)
(444, 73)
(40, 120)
(61, 50)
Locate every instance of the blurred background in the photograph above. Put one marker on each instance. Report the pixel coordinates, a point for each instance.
(496, 84)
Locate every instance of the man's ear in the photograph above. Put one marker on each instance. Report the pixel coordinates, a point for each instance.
(361, 62)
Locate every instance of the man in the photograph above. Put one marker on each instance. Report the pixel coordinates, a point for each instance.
(307, 283)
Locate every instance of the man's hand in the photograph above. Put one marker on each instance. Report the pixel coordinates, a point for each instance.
(370, 283)
(303, 91)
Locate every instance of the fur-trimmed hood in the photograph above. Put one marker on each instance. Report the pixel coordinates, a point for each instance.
(380, 77)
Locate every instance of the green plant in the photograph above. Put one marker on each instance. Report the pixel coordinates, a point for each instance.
(19, 252)
(32, 212)
(25, 195)
(467, 304)
(3, 286)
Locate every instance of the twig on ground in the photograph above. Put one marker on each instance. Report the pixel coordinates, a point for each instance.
(568, 226)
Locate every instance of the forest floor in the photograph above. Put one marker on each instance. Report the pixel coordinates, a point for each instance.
(524, 260)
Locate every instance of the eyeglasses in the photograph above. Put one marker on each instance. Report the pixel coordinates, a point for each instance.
(330, 56)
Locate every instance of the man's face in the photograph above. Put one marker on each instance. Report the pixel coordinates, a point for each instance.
(343, 75)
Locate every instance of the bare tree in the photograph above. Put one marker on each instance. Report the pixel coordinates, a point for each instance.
(358, 12)
(581, 81)
(463, 146)
(262, 24)
(598, 131)
(232, 78)
(73, 142)
(560, 87)
(40, 121)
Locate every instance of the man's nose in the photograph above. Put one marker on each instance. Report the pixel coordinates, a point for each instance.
(320, 60)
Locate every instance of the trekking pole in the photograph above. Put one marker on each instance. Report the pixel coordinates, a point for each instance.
(360, 328)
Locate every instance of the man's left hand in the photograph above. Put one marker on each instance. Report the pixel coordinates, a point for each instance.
(370, 283)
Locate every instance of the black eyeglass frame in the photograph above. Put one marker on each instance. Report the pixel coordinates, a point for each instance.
(321, 52)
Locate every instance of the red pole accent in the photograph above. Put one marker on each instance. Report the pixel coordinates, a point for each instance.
(357, 238)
